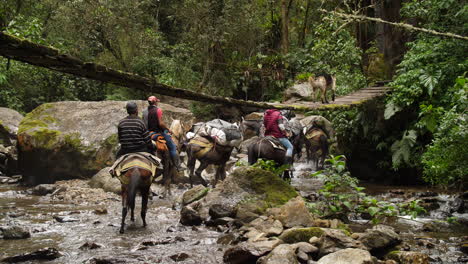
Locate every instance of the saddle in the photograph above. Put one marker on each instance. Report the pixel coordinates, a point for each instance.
(141, 160)
(274, 142)
(313, 133)
(159, 142)
(204, 143)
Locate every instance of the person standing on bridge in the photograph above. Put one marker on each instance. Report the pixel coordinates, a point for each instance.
(152, 117)
(275, 126)
(132, 133)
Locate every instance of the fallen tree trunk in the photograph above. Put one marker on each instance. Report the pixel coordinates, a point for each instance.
(39, 55)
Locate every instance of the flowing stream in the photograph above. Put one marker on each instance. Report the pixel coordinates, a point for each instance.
(95, 219)
(163, 240)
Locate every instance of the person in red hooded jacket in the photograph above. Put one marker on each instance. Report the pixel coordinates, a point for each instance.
(275, 126)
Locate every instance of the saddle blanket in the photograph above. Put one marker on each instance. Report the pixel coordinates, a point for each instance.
(141, 160)
(204, 144)
(275, 142)
(313, 133)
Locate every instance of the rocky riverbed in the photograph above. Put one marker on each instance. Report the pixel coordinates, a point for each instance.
(82, 224)
(74, 223)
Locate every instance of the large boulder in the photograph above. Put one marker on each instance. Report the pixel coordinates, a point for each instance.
(250, 190)
(296, 235)
(66, 140)
(349, 255)
(333, 240)
(282, 254)
(293, 213)
(249, 252)
(301, 91)
(380, 237)
(9, 123)
(104, 180)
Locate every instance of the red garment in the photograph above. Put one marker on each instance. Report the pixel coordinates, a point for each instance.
(270, 121)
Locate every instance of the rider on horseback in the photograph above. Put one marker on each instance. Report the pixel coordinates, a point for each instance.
(152, 117)
(275, 126)
(132, 133)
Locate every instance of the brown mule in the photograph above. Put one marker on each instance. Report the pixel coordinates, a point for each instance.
(264, 149)
(207, 152)
(135, 179)
(316, 141)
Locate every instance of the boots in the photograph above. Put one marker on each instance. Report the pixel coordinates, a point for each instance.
(176, 162)
(288, 160)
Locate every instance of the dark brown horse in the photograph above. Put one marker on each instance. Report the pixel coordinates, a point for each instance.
(134, 179)
(265, 150)
(207, 152)
(316, 142)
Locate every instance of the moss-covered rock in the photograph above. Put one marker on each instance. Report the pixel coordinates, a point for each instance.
(270, 188)
(295, 235)
(251, 191)
(9, 122)
(66, 140)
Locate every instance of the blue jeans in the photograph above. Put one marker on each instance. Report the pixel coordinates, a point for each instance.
(170, 144)
(289, 147)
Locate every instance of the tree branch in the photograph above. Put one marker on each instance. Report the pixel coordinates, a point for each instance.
(401, 25)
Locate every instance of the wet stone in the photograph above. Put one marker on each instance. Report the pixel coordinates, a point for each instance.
(189, 216)
(224, 221)
(100, 211)
(179, 257)
(221, 210)
(44, 189)
(408, 257)
(349, 255)
(41, 254)
(165, 241)
(227, 239)
(194, 194)
(90, 245)
(65, 219)
(380, 237)
(16, 214)
(107, 261)
(15, 232)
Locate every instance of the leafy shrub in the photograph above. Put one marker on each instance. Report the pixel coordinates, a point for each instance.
(341, 196)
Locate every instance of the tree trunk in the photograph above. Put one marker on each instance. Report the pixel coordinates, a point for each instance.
(302, 33)
(285, 5)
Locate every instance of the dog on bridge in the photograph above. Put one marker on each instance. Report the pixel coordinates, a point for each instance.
(323, 83)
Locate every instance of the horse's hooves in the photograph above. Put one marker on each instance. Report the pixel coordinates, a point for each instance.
(121, 231)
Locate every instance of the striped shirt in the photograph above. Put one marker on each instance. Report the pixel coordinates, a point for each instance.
(132, 133)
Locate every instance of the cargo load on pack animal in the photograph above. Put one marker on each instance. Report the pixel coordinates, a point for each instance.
(222, 132)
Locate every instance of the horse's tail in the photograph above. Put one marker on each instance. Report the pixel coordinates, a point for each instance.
(324, 143)
(133, 187)
(252, 153)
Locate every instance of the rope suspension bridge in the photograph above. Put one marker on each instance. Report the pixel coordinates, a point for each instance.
(14, 48)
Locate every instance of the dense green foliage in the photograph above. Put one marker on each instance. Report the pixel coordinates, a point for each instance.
(234, 48)
(429, 86)
(229, 48)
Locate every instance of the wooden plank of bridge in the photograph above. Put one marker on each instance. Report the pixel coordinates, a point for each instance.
(12, 47)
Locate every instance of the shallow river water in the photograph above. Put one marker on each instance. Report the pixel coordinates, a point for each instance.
(96, 219)
(162, 239)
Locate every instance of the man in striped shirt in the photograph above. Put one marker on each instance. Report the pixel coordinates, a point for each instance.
(132, 132)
